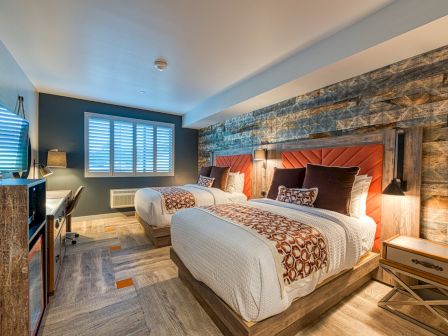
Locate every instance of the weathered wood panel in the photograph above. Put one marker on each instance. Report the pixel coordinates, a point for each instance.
(412, 92)
(434, 211)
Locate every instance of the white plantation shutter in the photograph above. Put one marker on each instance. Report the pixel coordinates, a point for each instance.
(99, 145)
(123, 147)
(13, 142)
(145, 148)
(164, 149)
(118, 146)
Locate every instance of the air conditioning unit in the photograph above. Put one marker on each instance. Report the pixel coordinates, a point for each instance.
(122, 198)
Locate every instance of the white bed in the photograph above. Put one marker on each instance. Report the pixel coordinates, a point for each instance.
(148, 202)
(241, 269)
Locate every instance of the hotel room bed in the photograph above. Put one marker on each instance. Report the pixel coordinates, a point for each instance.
(243, 269)
(149, 204)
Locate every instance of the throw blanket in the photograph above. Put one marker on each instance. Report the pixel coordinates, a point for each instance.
(175, 198)
(300, 247)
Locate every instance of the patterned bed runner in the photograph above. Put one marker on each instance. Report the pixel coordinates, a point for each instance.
(175, 198)
(301, 248)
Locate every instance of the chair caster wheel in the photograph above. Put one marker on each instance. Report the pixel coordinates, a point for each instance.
(73, 242)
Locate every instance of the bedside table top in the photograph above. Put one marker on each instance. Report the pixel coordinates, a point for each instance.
(421, 246)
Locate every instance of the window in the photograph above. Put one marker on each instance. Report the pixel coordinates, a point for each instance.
(13, 142)
(116, 146)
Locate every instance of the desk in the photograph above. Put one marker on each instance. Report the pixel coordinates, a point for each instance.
(56, 205)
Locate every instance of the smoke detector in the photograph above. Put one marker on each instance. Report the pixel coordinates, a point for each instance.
(161, 64)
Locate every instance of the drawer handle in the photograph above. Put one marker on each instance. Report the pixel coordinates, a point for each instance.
(427, 265)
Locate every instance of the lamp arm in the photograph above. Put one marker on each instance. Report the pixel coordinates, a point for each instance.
(399, 156)
(399, 159)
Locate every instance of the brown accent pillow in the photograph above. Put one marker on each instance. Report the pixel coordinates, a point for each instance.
(335, 186)
(205, 171)
(288, 177)
(221, 175)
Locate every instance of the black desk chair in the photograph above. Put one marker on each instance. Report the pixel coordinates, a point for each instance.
(70, 209)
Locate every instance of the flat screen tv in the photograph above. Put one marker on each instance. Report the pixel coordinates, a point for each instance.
(14, 144)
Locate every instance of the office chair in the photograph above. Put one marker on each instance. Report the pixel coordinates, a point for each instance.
(70, 209)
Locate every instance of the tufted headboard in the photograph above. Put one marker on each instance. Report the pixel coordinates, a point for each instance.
(239, 163)
(368, 157)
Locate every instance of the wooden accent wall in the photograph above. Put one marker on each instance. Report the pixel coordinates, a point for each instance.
(434, 212)
(409, 93)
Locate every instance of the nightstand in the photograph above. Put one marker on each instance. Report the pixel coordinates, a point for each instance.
(427, 263)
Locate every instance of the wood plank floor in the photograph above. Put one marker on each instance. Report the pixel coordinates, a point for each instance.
(114, 282)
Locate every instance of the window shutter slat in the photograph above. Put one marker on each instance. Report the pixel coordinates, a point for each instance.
(13, 142)
(123, 147)
(99, 145)
(164, 149)
(145, 148)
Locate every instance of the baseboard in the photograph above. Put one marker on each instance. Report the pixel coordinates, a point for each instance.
(124, 214)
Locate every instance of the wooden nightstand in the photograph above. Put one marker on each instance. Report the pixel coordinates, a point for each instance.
(427, 263)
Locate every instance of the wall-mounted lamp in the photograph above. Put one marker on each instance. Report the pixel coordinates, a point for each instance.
(260, 155)
(43, 170)
(397, 186)
(56, 159)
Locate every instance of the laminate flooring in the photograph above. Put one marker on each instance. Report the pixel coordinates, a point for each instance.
(114, 282)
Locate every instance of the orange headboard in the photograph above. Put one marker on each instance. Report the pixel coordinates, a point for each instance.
(368, 158)
(239, 163)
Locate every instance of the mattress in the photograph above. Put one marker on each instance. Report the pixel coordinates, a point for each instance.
(241, 269)
(148, 202)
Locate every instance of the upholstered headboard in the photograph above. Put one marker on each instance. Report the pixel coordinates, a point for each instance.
(368, 158)
(239, 163)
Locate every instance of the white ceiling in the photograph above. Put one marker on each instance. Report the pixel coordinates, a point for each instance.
(223, 55)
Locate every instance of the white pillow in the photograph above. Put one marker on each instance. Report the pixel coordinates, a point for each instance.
(240, 184)
(358, 200)
(235, 182)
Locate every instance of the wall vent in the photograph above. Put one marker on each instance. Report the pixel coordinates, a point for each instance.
(122, 198)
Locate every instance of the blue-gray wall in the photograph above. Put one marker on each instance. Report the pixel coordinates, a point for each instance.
(61, 126)
(13, 83)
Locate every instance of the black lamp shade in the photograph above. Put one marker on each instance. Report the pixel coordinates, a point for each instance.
(394, 188)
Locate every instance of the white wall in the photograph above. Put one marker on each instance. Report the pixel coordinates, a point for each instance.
(14, 83)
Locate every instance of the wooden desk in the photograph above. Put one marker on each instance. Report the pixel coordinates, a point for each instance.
(56, 205)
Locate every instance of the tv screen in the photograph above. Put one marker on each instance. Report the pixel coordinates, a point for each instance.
(13, 142)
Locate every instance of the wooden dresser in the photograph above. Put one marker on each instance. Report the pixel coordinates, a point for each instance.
(56, 205)
(22, 256)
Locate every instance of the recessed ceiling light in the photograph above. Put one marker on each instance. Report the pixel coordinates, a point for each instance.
(142, 91)
(161, 64)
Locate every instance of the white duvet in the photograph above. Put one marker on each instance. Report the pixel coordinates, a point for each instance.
(239, 266)
(148, 202)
